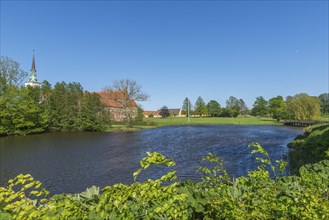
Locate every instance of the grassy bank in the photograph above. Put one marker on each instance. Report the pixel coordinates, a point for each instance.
(115, 128)
(309, 147)
(212, 121)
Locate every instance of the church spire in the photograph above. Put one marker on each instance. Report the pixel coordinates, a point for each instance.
(33, 64)
(33, 81)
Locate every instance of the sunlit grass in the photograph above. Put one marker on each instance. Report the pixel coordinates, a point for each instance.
(212, 121)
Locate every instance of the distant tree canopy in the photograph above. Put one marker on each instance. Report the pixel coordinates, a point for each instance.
(213, 108)
(164, 112)
(303, 107)
(10, 73)
(277, 108)
(260, 107)
(232, 107)
(324, 102)
(200, 107)
(187, 107)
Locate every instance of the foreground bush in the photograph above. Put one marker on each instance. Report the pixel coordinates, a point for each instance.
(217, 196)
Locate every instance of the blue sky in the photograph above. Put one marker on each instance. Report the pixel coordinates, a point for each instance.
(174, 49)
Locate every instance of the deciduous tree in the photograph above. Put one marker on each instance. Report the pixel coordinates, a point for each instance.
(187, 107)
(303, 107)
(324, 100)
(260, 107)
(213, 108)
(164, 112)
(277, 108)
(127, 92)
(200, 107)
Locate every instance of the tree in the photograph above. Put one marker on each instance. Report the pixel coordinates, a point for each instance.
(92, 115)
(127, 92)
(140, 115)
(200, 107)
(277, 108)
(213, 108)
(64, 103)
(243, 107)
(260, 107)
(164, 112)
(10, 73)
(303, 107)
(187, 107)
(232, 106)
(324, 100)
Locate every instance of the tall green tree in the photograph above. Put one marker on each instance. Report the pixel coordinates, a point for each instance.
(10, 73)
(92, 116)
(277, 108)
(303, 107)
(64, 102)
(232, 106)
(260, 107)
(324, 100)
(213, 108)
(200, 107)
(187, 107)
(243, 107)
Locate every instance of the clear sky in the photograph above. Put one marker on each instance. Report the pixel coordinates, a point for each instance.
(174, 49)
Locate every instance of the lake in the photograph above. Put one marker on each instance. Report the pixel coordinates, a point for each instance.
(71, 162)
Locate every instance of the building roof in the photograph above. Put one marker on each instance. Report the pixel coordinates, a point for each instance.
(151, 112)
(113, 99)
(175, 111)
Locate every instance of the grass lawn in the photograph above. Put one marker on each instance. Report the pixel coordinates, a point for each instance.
(325, 117)
(124, 128)
(211, 121)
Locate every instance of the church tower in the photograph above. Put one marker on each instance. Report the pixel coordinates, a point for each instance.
(33, 81)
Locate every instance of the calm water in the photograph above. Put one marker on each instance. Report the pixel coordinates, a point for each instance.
(71, 162)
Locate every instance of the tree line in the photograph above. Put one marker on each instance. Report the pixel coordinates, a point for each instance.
(297, 107)
(64, 107)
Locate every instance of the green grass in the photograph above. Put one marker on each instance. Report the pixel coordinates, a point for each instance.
(125, 128)
(213, 121)
(325, 117)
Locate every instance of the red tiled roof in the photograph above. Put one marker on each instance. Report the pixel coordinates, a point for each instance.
(112, 98)
(151, 112)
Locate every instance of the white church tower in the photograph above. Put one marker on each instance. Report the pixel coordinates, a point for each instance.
(33, 81)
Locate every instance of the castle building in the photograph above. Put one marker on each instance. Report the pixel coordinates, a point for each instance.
(33, 81)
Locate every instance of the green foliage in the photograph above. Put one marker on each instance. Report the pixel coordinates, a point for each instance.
(324, 102)
(10, 74)
(232, 107)
(277, 108)
(213, 108)
(303, 107)
(217, 196)
(309, 147)
(187, 107)
(200, 107)
(140, 116)
(260, 107)
(164, 112)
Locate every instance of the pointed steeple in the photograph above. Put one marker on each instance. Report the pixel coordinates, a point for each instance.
(33, 63)
(33, 81)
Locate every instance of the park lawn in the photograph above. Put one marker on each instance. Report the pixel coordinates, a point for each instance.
(212, 121)
(125, 128)
(324, 117)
